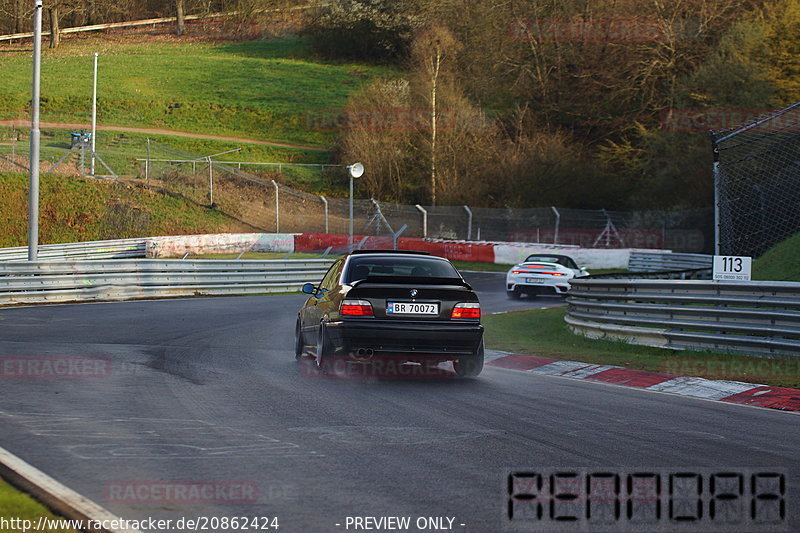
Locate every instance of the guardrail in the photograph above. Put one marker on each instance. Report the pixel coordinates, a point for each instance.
(116, 249)
(667, 261)
(756, 318)
(77, 281)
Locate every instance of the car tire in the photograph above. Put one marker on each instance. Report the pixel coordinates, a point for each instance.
(299, 343)
(325, 357)
(513, 294)
(471, 365)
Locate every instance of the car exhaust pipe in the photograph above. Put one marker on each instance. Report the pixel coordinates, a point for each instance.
(364, 353)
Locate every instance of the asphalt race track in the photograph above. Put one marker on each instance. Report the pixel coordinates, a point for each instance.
(206, 391)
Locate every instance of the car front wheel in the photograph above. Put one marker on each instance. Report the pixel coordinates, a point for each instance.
(471, 365)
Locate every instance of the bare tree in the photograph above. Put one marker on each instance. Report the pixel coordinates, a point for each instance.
(55, 30)
(181, 20)
(430, 48)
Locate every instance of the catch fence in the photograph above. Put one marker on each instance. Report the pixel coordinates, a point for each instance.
(757, 187)
(255, 195)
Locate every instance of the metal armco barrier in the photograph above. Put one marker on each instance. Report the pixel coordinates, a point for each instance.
(761, 318)
(665, 261)
(78, 281)
(116, 249)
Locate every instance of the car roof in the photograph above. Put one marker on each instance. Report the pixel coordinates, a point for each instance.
(383, 252)
(549, 255)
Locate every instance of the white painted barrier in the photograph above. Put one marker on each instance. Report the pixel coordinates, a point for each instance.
(178, 246)
(511, 254)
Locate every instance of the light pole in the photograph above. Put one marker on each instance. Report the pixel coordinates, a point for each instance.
(356, 171)
(33, 195)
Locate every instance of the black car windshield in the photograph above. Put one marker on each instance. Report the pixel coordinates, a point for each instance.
(558, 259)
(363, 267)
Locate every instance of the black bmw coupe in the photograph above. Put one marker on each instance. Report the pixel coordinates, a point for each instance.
(399, 306)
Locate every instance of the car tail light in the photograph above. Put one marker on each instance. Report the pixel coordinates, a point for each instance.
(466, 310)
(553, 273)
(356, 308)
(521, 272)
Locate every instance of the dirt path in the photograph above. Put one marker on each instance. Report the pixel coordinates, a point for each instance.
(155, 131)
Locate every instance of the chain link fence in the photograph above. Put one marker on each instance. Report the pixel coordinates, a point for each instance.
(257, 198)
(757, 187)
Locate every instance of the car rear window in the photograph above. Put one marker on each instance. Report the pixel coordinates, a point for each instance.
(399, 267)
(558, 259)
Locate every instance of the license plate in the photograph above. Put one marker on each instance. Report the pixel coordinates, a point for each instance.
(411, 308)
(534, 280)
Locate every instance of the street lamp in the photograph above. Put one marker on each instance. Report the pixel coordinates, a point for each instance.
(356, 171)
(33, 195)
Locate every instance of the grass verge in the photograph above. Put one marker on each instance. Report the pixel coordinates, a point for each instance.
(781, 262)
(83, 209)
(480, 267)
(494, 267)
(543, 332)
(16, 504)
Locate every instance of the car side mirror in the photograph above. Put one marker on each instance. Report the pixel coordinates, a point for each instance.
(308, 288)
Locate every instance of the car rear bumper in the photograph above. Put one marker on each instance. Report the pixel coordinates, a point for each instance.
(524, 288)
(413, 341)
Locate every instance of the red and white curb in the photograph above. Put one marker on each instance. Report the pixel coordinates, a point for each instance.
(708, 389)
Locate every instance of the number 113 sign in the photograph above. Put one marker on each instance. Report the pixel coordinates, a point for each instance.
(732, 268)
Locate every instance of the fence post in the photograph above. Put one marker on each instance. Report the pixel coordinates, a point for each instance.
(277, 209)
(325, 201)
(558, 222)
(715, 150)
(147, 164)
(396, 236)
(211, 181)
(469, 222)
(424, 221)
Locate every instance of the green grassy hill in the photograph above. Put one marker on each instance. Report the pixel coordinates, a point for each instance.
(265, 90)
(270, 90)
(76, 209)
(780, 263)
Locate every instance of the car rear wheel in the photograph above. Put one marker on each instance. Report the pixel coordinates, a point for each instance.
(513, 294)
(325, 357)
(299, 343)
(471, 365)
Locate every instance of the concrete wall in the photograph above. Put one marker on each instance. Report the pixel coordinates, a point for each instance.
(178, 246)
(590, 258)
